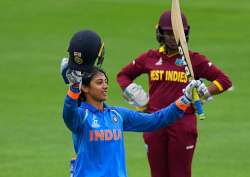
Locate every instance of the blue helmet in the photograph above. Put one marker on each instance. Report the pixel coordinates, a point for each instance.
(85, 48)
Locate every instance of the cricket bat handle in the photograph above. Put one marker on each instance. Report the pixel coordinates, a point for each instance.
(198, 105)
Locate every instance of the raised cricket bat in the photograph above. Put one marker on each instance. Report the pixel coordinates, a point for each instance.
(180, 38)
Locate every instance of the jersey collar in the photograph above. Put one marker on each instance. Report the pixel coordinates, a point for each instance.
(163, 51)
(92, 108)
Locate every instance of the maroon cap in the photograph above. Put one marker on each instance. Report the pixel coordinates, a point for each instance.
(165, 21)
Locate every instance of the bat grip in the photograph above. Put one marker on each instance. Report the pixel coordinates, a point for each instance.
(198, 105)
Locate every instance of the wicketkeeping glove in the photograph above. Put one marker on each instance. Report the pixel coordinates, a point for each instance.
(135, 95)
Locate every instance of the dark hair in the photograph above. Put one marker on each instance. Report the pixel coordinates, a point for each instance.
(87, 77)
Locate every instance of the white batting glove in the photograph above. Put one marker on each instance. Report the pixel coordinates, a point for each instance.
(188, 90)
(63, 69)
(135, 95)
(203, 91)
(74, 77)
(187, 97)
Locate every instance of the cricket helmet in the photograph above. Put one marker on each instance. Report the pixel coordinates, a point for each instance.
(165, 24)
(85, 48)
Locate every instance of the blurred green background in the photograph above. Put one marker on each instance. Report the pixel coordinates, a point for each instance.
(34, 36)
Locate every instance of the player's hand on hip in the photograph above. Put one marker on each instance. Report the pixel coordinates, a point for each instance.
(74, 77)
(135, 95)
(63, 69)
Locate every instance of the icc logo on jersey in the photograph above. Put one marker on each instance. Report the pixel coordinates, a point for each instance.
(95, 123)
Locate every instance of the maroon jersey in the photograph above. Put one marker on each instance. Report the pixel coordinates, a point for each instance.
(166, 76)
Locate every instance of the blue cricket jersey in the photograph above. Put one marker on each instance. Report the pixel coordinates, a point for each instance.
(98, 135)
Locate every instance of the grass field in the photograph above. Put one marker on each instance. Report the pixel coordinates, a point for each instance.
(34, 37)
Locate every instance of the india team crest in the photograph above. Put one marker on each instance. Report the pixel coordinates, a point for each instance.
(115, 119)
(78, 57)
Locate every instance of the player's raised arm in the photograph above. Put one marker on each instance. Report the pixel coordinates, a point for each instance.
(71, 115)
(135, 121)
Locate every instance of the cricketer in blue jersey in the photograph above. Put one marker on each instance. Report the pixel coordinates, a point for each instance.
(98, 128)
(86, 48)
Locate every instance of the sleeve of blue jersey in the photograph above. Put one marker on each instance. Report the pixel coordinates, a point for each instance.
(143, 122)
(72, 115)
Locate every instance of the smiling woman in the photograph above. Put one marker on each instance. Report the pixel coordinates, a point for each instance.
(94, 87)
(97, 128)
